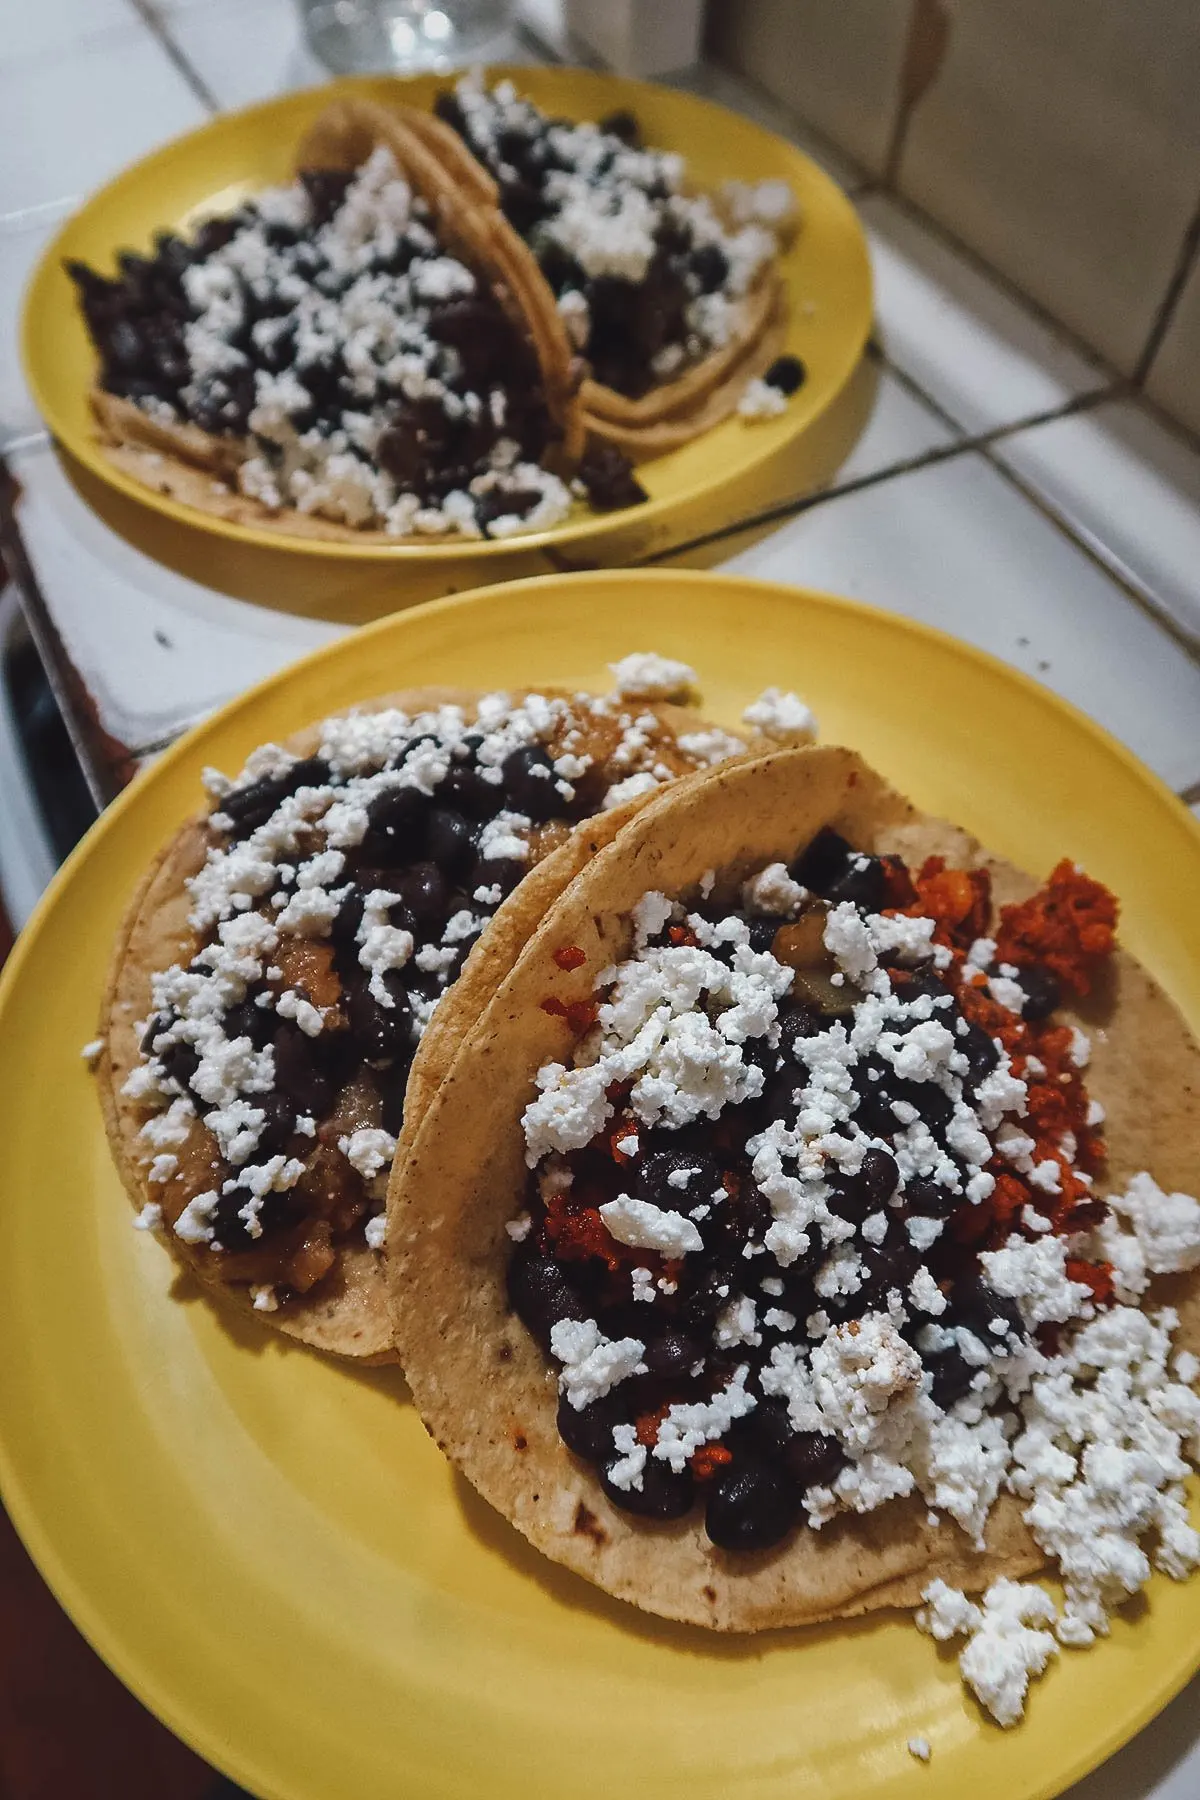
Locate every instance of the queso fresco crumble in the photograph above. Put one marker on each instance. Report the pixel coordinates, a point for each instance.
(812, 1224)
(649, 277)
(340, 896)
(370, 377)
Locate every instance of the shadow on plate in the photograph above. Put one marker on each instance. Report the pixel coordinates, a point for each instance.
(562, 1586)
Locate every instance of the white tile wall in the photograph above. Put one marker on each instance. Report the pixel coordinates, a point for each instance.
(957, 546)
(23, 236)
(155, 650)
(1130, 487)
(73, 119)
(838, 62)
(243, 50)
(986, 358)
(715, 82)
(1062, 142)
(1174, 378)
(53, 26)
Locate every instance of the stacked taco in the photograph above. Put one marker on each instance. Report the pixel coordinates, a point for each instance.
(780, 1207)
(273, 1025)
(398, 345)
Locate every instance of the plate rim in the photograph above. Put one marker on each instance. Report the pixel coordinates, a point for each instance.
(579, 533)
(69, 1588)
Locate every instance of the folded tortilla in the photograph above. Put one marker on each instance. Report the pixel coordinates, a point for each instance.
(347, 1313)
(484, 1387)
(199, 468)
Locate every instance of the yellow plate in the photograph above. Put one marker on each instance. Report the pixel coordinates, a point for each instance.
(267, 1546)
(709, 483)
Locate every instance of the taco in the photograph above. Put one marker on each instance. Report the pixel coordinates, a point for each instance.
(759, 1252)
(364, 353)
(672, 296)
(271, 1025)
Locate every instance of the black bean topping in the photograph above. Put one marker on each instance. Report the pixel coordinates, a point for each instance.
(672, 1353)
(762, 933)
(654, 1171)
(781, 1094)
(503, 872)
(425, 893)
(812, 1459)
(710, 266)
(540, 1294)
(879, 1176)
(750, 1506)
(278, 1127)
(662, 1495)
(929, 1198)
(450, 840)
(529, 783)
(797, 1022)
(380, 1032)
(787, 373)
(298, 1078)
(767, 1430)
(180, 1063)
(977, 1305)
(952, 1375)
(830, 867)
(251, 806)
(159, 1023)
(624, 125)
(258, 1023)
(326, 190)
(466, 790)
(888, 1266)
(608, 478)
(393, 1084)
(588, 1430)
(1042, 992)
(981, 1051)
(396, 821)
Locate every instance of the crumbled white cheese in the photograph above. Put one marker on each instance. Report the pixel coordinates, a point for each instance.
(919, 1747)
(647, 1227)
(375, 1231)
(194, 1224)
(150, 1218)
(782, 716)
(369, 1149)
(760, 400)
(644, 675)
(774, 892)
(1167, 1226)
(592, 1364)
(92, 1052)
(1004, 1645)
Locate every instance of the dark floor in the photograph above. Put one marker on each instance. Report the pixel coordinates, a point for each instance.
(68, 1729)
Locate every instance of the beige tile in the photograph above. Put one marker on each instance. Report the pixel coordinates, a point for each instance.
(1062, 142)
(1174, 378)
(836, 62)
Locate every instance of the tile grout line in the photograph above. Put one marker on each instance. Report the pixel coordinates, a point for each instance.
(160, 32)
(1097, 553)
(1186, 261)
(965, 442)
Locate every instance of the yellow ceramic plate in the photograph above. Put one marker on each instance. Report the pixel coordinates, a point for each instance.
(267, 1546)
(717, 479)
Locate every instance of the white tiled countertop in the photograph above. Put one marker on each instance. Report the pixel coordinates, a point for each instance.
(1003, 485)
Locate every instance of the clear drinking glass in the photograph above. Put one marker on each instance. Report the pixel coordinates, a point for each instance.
(351, 35)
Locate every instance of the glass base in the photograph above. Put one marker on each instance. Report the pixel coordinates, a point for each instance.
(401, 36)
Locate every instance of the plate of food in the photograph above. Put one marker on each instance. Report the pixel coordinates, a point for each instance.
(635, 1207)
(422, 319)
